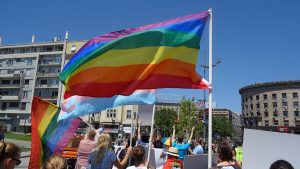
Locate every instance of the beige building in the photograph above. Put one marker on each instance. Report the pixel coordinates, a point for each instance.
(272, 106)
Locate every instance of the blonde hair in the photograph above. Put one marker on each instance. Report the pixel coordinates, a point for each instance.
(9, 150)
(104, 144)
(91, 134)
(56, 162)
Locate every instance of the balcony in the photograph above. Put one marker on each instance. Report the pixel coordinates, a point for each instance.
(50, 63)
(9, 98)
(41, 86)
(24, 122)
(47, 74)
(14, 111)
(10, 86)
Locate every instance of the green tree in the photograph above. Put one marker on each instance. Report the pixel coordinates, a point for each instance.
(188, 118)
(165, 119)
(222, 126)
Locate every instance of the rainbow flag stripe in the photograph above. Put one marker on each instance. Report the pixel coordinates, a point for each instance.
(160, 55)
(48, 136)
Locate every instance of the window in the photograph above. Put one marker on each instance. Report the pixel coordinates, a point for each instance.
(265, 105)
(296, 113)
(26, 82)
(275, 122)
(274, 104)
(25, 94)
(285, 113)
(284, 105)
(257, 106)
(250, 98)
(265, 96)
(275, 114)
(251, 114)
(54, 93)
(251, 106)
(266, 122)
(297, 123)
(134, 115)
(296, 104)
(110, 113)
(274, 96)
(283, 95)
(23, 106)
(107, 113)
(286, 123)
(258, 113)
(295, 95)
(5, 81)
(115, 113)
(128, 114)
(14, 104)
(266, 114)
(257, 97)
(16, 81)
(43, 82)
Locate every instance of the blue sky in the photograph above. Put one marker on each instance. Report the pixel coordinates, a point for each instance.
(257, 41)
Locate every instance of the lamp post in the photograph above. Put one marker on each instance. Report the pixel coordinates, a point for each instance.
(204, 92)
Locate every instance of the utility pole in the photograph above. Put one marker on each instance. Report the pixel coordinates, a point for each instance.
(204, 66)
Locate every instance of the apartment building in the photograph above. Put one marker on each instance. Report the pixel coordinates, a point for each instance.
(28, 70)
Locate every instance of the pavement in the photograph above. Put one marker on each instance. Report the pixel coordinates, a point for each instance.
(25, 156)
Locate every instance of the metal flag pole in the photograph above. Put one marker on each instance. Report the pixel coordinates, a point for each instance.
(151, 134)
(210, 93)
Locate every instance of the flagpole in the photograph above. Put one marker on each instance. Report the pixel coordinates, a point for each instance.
(151, 135)
(210, 94)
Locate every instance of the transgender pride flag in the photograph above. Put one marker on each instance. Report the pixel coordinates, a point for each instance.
(77, 106)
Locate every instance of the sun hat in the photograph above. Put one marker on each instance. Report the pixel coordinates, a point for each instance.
(173, 151)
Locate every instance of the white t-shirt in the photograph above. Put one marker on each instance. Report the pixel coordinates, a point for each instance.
(133, 167)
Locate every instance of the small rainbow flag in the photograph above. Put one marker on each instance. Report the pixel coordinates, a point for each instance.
(48, 136)
(159, 55)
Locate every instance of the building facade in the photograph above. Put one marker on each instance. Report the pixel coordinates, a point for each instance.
(272, 106)
(28, 70)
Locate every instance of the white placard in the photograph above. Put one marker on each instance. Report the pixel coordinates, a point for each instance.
(262, 148)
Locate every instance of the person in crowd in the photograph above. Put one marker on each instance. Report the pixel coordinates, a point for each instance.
(182, 147)
(236, 164)
(198, 147)
(56, 162)
(9, 155)
(281, 164)
(123, 152)
(225, 156)
(138, 154)
(173, 161)
(157, 142)
(85, 148)
(143, 138)
(1, 135)
(167, 144)
(104, 157)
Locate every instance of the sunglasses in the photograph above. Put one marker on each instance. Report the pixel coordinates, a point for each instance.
(18, 162)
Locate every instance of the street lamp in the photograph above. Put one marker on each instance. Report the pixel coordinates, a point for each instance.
(204, 92)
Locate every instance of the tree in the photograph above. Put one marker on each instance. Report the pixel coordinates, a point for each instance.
(165, 119)
(222, 126)
(188, 118)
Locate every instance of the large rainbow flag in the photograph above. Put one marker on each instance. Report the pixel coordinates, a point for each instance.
(48, 136)
(159, 55)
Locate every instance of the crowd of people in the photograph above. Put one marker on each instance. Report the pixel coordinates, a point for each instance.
(96, 151)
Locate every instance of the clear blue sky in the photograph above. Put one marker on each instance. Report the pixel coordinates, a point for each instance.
(257, 41)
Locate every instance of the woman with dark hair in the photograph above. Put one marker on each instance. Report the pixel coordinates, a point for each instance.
(104, 157)
(9, 155)
(139, 157)
(225, 156)
(281, 164)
